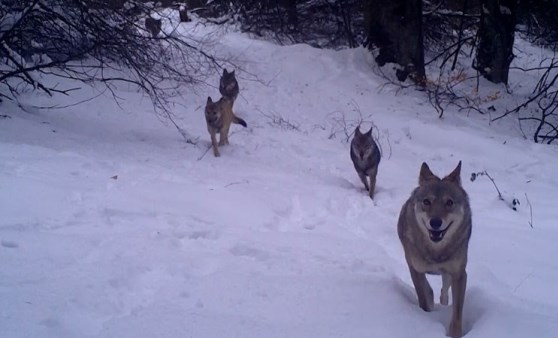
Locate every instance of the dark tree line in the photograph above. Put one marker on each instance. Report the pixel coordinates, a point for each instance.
(496, 35)
(107, 42)
(415, 33)
(395, 28)
(399, 30)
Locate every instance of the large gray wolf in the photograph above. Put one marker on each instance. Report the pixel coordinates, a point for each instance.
(219, 116)
(366, 158)
(434, 228)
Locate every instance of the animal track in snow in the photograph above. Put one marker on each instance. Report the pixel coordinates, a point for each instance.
(9, 244)
(250, 252)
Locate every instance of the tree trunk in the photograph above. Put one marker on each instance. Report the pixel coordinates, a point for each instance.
(496, 35)
(292, 15)
(395, 28)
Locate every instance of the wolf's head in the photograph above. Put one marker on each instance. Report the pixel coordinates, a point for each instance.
(440, 205)
(228, 84)
(153, 25)
(212, 111)
(362, 145)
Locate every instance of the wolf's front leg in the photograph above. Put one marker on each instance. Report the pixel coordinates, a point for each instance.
(446, 283)
(424, 292)
(364, 180)
(224, 139)
(214, 143)
(458, 286)
(372, 174)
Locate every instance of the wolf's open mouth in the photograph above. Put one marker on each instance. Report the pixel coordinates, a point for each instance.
(438, 235)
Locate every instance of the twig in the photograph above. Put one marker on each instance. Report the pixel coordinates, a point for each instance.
(276, 119)
(389, 143)
(514, 202)
(182, 132)
(235, 183)
(71, 104)
(530, 211)
(205, 152)
(485, 173)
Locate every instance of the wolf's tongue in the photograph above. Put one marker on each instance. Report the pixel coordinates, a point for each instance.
(436, 235)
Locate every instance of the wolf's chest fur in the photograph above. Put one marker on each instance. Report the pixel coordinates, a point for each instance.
(363, 164)
(215, 122)
(432, 261)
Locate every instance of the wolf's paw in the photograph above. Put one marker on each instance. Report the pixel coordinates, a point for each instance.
(454, 330)
(444, 299)
(427, 305)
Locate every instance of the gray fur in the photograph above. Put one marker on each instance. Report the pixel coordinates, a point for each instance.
(434, 227)
(365, 155)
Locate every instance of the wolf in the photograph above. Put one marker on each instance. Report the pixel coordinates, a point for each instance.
(153, 25)
(219, 116)
(434, 228)
(366, 158)
(228, 86)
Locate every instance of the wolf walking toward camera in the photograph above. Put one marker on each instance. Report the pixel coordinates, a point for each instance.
(219, 116)
(228, 86)
(434, 227)
(366, 158)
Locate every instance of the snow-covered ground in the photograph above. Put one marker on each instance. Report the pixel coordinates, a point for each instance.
(112, 226)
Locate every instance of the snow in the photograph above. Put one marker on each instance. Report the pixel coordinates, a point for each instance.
(113, 226)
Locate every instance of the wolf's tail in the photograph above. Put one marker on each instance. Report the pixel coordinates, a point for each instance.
(240, 121)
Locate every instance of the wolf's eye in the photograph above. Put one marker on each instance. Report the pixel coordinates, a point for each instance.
(449, 203)
(426, 202)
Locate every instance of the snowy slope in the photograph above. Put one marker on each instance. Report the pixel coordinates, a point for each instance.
(112, 226)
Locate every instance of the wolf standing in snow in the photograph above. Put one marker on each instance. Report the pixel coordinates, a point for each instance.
(434, 227)
(219, 116)
(366, 158)
(228, 86)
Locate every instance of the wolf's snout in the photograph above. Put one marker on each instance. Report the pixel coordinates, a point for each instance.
(435, 223)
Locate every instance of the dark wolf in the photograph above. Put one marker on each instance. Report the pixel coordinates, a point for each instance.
(365, 155)
(228, 86)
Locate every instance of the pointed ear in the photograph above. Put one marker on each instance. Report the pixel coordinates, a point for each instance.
(425, 174)
(232, 73)
(370, 131)
(225, 71)
(455, 175)
(209, 100)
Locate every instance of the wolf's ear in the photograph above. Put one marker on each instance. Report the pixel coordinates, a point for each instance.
(232, 73)
(209, 100)
(455, 175)
(370, 131)
(425, 174)
(357, 131)
(225, 71)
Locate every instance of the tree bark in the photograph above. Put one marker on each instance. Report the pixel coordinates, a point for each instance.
(496, 36)
(395, 28)
(292, 15)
